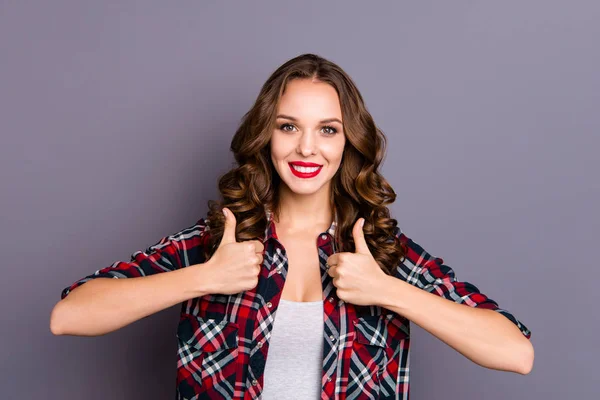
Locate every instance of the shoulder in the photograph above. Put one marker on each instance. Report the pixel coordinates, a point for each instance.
(195, 234)
(404, 240)
(415, 255)
(191, 241)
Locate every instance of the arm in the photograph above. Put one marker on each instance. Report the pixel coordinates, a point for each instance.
(428, 293)
(483, 336)
(92, 306)
(105, 305)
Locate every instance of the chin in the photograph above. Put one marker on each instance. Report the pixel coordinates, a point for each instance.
(304, 188)
(304, 191)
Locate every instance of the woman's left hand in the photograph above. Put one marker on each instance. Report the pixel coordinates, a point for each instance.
(357, 276)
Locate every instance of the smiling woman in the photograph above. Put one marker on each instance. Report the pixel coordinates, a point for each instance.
(309, 113)
(307, 154)
(298, 282)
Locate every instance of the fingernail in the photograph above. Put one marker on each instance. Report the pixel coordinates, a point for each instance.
(224, 212)
(362, 223)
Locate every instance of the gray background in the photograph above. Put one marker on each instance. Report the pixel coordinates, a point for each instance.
(116, 119)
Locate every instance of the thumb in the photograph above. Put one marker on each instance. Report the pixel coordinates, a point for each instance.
(359, 238)
(229, 230)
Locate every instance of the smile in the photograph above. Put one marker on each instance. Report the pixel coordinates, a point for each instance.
(305, 172)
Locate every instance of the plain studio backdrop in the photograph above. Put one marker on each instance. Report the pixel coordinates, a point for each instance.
(116, 119)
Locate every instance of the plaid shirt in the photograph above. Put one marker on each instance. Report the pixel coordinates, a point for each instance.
(223, 340)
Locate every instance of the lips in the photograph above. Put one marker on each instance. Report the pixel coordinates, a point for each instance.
(305, 164)
(305, 175)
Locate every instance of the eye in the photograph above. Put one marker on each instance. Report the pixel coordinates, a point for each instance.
(332, 130)
(282, 127)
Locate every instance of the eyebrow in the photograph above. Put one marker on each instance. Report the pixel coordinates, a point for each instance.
(324, 121)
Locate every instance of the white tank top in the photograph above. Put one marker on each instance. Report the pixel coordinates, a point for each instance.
(294, 366)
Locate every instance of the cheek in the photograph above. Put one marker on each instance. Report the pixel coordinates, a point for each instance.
(275, 150)
(280, 148)
(334, 152)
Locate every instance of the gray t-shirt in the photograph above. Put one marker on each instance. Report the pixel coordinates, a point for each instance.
(294, 362)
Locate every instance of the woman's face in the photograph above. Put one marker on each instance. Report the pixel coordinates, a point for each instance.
(308, 131)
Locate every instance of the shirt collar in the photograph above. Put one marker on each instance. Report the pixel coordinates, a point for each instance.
(271, 232)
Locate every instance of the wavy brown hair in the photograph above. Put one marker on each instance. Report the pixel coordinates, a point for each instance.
(358, 189)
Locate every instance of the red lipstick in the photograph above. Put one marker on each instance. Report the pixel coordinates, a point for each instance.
(307, 165)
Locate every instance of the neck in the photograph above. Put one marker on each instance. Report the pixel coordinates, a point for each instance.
(302, 212)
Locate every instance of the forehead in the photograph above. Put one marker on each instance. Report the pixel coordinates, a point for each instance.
(307, 99)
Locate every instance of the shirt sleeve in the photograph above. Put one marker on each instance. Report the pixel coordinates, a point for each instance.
(170, 253)
(429, 273)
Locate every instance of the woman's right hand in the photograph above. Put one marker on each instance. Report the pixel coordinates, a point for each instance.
(234, 267)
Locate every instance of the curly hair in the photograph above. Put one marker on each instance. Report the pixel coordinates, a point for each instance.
(358, 189)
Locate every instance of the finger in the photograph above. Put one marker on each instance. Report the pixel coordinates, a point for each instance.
(332, 259)
(258, 246)
(359, 237)
(332, 271)
(229, 230)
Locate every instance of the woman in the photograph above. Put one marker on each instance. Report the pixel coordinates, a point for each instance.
(287, 243)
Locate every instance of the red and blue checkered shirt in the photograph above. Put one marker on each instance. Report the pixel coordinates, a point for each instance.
(223, 340)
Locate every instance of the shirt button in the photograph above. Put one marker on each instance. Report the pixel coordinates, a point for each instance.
(259, 345)
(328, 379)
(278, 269)
(331, 299)
(323, 237)
(332, 338)
(254, 382)
(269, 304)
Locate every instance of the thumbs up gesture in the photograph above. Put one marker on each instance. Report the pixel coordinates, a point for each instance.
(234, 267)
(357, 276)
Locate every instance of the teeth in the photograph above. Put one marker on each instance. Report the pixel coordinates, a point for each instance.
(305, 170)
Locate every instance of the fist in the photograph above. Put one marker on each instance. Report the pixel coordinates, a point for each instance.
(357, 276)
(234, 267)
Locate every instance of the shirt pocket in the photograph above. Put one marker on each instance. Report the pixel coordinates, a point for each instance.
(206, 357)
(373, 362)
(368, 358)
(394, 376)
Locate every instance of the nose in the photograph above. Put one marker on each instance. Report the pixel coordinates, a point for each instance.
(307, 144)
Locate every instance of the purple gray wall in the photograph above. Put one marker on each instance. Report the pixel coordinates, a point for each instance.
(116, 119)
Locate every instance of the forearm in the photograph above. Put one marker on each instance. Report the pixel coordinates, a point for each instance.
(103, 305)
(483, 336)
